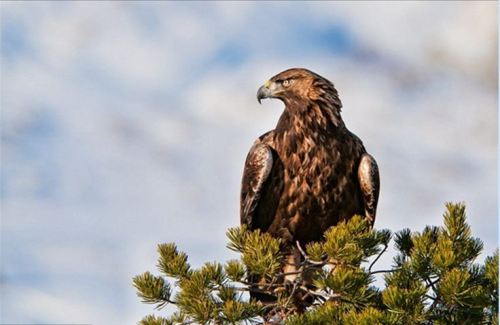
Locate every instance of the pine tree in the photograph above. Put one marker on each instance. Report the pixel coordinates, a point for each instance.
(433, 280)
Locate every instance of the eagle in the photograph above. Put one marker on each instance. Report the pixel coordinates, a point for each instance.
(310, 172)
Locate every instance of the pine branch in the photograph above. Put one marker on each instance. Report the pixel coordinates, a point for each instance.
(434, 279)
(377, 258)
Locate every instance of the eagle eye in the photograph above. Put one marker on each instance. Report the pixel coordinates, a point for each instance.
(287, 82)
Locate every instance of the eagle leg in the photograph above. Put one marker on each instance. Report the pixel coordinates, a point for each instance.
(292, 264)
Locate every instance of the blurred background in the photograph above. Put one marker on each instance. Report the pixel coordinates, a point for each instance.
(126, 124)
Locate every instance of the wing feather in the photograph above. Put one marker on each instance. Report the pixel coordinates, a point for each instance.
(369, 182)
(258, 166)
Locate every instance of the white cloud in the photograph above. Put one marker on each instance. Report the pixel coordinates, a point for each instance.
(44, 307)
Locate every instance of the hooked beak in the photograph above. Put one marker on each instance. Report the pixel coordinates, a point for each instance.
(264, 91)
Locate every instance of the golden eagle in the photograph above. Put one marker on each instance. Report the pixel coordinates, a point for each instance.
(310, 172)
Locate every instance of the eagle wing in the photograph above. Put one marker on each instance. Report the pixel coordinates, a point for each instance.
(258, 186)
(369, 182)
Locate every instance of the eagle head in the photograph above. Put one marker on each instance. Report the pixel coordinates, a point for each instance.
(299, 85)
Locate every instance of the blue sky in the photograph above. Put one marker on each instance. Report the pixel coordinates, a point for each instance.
(126, 124)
